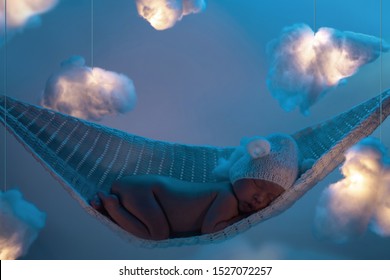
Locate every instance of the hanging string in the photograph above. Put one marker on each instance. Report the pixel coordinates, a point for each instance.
(315, 16)
(5, 94)
(92, 32)
(380, 70)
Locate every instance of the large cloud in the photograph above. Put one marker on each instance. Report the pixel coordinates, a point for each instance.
(20, 223)
(305, 65)
(163, 14)
(362, 199)
(22, 13)
(88, 93)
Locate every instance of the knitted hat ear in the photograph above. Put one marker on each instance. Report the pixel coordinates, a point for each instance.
(222, 170)
(276, 160)
(258, 147)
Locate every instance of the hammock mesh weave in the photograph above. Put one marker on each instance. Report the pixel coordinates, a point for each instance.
(87, 157)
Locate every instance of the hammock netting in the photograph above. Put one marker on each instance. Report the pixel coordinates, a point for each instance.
(86, 157)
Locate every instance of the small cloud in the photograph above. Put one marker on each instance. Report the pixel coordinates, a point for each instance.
(88, 93)
(163, 14)
(23, 13)
(361, 200)
(305, 65)
(20, 223)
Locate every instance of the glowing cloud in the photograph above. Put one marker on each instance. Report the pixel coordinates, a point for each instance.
(22, 13)
(163, 14)
(361, 199)
(305, 65)
(88, 93)
(20, 224)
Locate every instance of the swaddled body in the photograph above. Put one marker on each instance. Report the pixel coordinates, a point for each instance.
(156, 207)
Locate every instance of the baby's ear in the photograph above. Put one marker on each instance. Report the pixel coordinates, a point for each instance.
(258, 147)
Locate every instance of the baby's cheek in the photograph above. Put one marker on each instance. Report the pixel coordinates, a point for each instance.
(271, 197)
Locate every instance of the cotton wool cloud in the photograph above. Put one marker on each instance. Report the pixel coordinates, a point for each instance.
(359, 201)
(20, 224)
(88, 93)
(163, 14)
(23, 13)
(305, 64)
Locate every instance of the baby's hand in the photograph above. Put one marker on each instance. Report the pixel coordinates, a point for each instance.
(96, 203)
(101, 201)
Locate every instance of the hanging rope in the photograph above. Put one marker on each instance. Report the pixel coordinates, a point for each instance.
(380, 67)
(315, 16)
(5, 93)
(92, 32)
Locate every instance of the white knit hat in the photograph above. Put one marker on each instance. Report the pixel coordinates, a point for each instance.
(279, 166)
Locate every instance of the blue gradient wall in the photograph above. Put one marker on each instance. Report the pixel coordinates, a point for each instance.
(201, 82)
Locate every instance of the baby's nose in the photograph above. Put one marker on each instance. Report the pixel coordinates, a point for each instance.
(260, 201)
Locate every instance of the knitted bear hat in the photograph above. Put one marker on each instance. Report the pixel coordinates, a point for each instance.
(277, 161)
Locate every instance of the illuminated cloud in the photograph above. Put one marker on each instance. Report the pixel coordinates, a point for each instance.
(88, 93)
(20, 224)
(381, 220)
(163, 14)
(305, 65)
(22, 13)
(348, 207)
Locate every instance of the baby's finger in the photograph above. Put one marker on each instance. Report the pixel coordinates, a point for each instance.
(96, 203)
(116, 211)
(108, 200)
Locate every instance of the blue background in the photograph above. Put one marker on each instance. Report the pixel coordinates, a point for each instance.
(201, 82)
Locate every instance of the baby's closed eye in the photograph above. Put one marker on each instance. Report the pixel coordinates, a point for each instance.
(271, 196)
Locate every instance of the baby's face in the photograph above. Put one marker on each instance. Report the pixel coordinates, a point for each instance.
(253, 194)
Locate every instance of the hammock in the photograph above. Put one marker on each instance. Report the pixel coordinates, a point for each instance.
(86, 157)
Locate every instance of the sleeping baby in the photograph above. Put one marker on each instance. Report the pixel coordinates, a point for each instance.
(156, 207)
